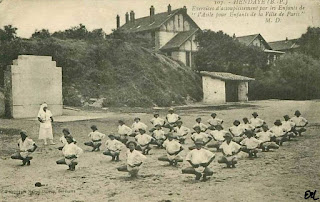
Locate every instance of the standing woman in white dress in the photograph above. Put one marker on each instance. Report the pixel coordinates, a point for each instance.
(45, 118)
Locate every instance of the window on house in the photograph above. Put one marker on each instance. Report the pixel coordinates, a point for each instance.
(153, 39)
(188, 58)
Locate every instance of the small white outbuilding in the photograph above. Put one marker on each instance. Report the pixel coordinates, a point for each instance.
(222, 87)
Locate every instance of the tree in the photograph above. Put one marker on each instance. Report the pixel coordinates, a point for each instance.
(42, 34)
(96, 34)
(302, 73)
(220, 52)
(79, 32)
(310, 42)
(295, 76)
(9, 33)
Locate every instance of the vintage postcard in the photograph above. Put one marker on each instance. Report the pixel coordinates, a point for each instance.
(171, 100)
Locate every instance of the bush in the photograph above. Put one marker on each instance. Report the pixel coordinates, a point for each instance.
(295, 76)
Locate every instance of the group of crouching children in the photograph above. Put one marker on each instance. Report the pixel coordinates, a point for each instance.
(250, 137)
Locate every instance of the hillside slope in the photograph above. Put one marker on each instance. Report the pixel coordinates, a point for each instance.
(123, 73)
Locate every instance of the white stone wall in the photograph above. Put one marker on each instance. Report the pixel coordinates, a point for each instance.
(168, 30)
(243, 91)
(163, 37)
(214, 90)
(258, 43)
(177, 24)
(190, 44)
(179, 55)
(186, 25)
(34, 80)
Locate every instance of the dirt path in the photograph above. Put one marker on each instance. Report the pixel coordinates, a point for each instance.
(283, 175)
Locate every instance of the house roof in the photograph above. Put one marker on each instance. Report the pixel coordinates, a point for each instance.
(225, 76)
(145, 23)
(284, 44)
(178, 40)
(248, 39)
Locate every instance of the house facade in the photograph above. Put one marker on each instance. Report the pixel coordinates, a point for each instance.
(171, 32)
(258, 41)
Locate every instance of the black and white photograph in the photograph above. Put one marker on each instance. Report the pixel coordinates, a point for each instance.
(159, 101)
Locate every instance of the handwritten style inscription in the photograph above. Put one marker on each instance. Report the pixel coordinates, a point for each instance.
(273, 11)
(311, 195)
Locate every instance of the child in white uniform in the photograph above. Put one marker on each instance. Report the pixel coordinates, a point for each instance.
(158, 135)
(218, 137)
(237, 131)
(300, 123)
(256, 122)
(246, 125)
(202, 126)
(199, 160)
(214, 121)
(156, 120)
(96, 138)
(279, 132)
(134, 160)
(250, 144)
(26, 147)
(288, 126)
(181, 131)
(229, 150)
(71, 153)
(137, 124)
(172, 119)
(113, 148)
(143, 140)
(63, 140)
(173, 148)
(266, 136)
(124, 131)
(198, 135)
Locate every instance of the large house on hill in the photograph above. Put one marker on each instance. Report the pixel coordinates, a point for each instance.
(258, 41)
(171, 32)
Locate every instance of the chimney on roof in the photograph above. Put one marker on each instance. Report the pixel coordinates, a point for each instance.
(127, 17)
(185, 9)
(152, 14)
(169, 9)
(151, 11)
(118, 21)
(132, 16)
(234, 36)
(286, 38)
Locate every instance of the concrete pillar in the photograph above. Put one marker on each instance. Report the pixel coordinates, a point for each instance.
(29, 82)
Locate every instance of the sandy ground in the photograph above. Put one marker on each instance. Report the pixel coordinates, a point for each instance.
(283, 175)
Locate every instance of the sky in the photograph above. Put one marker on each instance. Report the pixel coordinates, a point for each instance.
(55, 15)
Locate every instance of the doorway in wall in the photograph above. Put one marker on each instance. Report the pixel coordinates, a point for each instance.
(232, 91)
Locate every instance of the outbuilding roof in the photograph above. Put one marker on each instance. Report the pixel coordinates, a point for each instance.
(225, 76)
